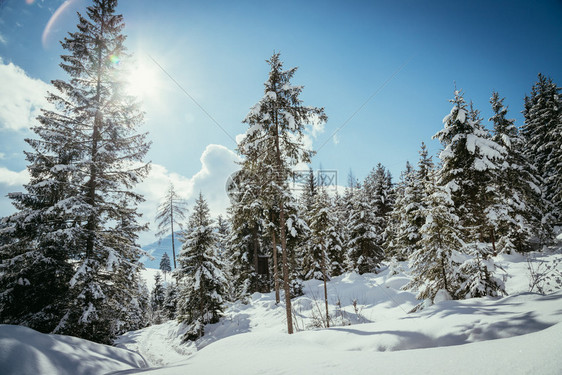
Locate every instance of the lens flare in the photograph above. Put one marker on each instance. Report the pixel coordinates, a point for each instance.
(114, 59)
(57, 15)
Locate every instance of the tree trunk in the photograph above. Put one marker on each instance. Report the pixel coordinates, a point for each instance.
(325, 289)
(493, 241)
(282, 233)
(98, 119)
(286, 285)
(275, 267)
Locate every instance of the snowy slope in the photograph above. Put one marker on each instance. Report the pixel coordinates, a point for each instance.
(447, 337)
(517, 334)
(25, 351)
(307, 353)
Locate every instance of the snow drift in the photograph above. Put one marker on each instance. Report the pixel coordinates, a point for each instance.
(25, 351)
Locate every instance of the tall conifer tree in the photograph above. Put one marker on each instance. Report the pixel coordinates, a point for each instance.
(77, 223)
(275, 138)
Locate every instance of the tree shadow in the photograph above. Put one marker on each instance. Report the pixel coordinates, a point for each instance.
(472, 332)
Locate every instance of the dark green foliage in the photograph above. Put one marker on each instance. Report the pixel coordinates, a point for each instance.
(543, 137)
(519, 209)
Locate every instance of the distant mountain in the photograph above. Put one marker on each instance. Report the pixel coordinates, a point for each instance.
(158, 248)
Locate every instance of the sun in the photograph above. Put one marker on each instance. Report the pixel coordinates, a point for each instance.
(143, 81)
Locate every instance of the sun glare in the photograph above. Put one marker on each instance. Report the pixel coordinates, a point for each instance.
(143, 81)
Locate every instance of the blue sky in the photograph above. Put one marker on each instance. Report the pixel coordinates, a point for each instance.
(345, 50)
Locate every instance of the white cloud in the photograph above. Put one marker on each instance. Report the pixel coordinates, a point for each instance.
(11, 178)
(21, 98)
(217, 164)
(3, 40)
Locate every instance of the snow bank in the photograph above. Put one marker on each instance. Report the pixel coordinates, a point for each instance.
(25, 351)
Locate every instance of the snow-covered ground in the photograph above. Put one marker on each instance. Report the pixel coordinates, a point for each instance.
(371, 332)
(24, 351)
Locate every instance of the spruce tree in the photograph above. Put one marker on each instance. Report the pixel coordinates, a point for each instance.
(518, 211)
(315, 259)
(201, 281)
(165, 265)
(433, 264)
(407, 216)
(364, 249)
(73, 229)
(223, 232)
(157, 300)
(469, 161)
(543, 137)
(170, 301)
(244, 245)
(379, 191)
(171, 212)
(275, 140)
(477, 273)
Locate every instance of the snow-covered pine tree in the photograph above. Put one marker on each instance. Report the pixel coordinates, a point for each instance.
(170, 301)
(38, 241)
(71, 222)
(201, 281)
(223, 232)
(306, 204)
(309, 191)
(165, 265)
(335, 241)
(171, 212)
(379, 190)
(244, 244)
(344, 211)
(470, 164)
(277, 124)
(477, 273)
(434, 263)
(469, 161)
(425, 166)
(406, 217)
(542, 133)
(157, 300)
(364, 250)
(392, 250)
(315, 259)
(137, 315)
(322, 229)
(518, 209)
(298, 234)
